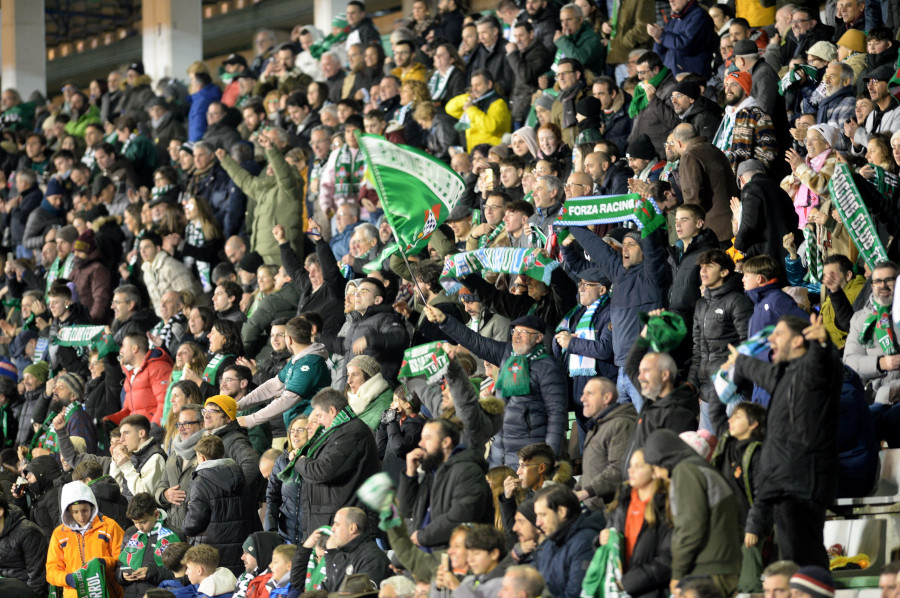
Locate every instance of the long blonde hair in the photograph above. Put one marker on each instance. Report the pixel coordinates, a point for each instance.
(495, 477)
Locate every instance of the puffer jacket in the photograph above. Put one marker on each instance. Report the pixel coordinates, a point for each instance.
(863, 357)
(283, 514)
(67, 358)
(490, 118)
(647, 573)
(217, 510)
(22, 550)
(800, 454)
(455, 492)
(241, 451)
(604, 449)
(110, 500)
(539, 416)
(200, 101)
(395, 440)
(386, 339)
(72, 547)
(271, 200)
(564, 556)
(334, 471)
(706, 538)
(641, 288)
(720, 319)
(145, 388)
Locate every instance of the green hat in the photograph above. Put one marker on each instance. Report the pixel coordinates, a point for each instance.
(340, 21)
(39, 369)
(665, 331)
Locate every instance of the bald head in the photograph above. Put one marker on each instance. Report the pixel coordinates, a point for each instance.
(579, 184)
(595, 164)
(235, 249)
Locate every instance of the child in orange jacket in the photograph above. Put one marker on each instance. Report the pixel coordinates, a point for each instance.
(83, 536)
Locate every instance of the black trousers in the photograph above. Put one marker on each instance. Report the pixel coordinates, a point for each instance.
(800, 528)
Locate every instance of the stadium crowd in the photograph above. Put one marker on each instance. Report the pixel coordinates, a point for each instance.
(203, 389)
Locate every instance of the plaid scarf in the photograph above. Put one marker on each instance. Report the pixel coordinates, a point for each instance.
(515, 378)
(47, 437)
(878, 324)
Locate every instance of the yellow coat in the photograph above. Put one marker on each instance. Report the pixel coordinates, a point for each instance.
(839, 337)
(486, 127)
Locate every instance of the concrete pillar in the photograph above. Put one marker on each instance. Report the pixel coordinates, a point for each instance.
(23, 49)
(325, 10)
(172, 36)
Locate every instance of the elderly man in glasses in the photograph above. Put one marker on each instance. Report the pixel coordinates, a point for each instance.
(173, 487)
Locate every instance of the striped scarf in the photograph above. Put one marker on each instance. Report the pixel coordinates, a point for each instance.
(582, 365)
(486, 240)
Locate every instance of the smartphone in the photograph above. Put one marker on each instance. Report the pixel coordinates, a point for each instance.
(489, 179)
(445, 561)
(126, 569)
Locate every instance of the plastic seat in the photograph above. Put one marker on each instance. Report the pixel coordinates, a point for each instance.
(887, 490)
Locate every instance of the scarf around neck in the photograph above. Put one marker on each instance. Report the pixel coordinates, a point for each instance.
(465, 122)
(348, 171)
(639, 99)
(515, 377)
(185, 448)
(132, 554)
(567, 99)
(806, 198)
(581, 365)
(289, 474)
(438, 82)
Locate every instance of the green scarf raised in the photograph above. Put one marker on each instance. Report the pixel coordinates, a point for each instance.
(4, 426)
(486, 240)
(47, 437)
(879, 322)
(514, 379)
(90, 580)
(211, 373)
(315, 568)
(288, 474)
(132, 554)
(639, 100)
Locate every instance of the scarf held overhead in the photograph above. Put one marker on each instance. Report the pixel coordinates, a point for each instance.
(534, 263)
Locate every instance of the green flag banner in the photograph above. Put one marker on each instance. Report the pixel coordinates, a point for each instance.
(90, 580)
(534, 263)
(425, 360)
(378, 263)
(78, 336)
(417, 191)
(855, 215)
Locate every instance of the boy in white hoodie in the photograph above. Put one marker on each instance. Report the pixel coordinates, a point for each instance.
(203, 571)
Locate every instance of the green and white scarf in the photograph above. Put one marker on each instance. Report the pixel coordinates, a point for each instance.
(60, 270)
(639, 100)
(211, 373)
(879, 323)
(465, 122)
(90, 580)
(132, 554)
(348, 172)
(582, 365)
(815, 265)
(438, 82)
(47, 437)
(514, 379)
(486, 240)
(289, 474)
(315, 568)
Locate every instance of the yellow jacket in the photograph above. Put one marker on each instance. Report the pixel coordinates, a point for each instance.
(486, 127)
(70, 549)
(839, 337)
(416, 72)
(753, 11)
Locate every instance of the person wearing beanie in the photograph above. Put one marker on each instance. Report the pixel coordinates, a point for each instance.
(93, 280)
(256, 557)
(533, 382)
(823, 51)
(482, 319)
(65, 256)
(694, 108)
(813, 582)
(851, 47)
(367, 391)
(588, 113)
(66, 410)
(643, 159)
(886, 116)
(746, 130)
(49, 215)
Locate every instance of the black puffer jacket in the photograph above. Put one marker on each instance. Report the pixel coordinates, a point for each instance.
(219, 511)
(334, 471)
(685, 291)
(386, 339)
(395, 441)
(44, 494)
(455, 492)
(359, 555)
(720, 319)
(238, 448)
(68, 358)
(110, 501)
(648, 572)
(283, 514)
(23, 550)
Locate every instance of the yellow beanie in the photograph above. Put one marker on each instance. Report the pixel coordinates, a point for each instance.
(228, 405)
(854, 39)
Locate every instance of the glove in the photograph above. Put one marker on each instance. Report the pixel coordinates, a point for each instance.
(70, 580)
(388, 416)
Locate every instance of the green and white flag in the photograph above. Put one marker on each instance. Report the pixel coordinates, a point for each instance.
(78, 336)
(534, 263)
(378, 263)
(855, 215)
(425, 360)
(417, 191)
(90, 580)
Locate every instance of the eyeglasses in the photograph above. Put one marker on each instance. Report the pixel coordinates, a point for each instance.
(588, 285)
(183, 425)
(524, 333)
(642, 74)
(230, 380)
(561, 73)
(489, 208)
(883, 282)
(207, 411)
(798, 21)
(576, 185)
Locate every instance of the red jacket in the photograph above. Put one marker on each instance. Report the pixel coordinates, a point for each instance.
(145, 388)
(257, 586)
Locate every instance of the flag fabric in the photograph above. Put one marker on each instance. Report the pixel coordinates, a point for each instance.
(425, 360)
(378, 263)
(723, 380)
(855, 215)
(90, 580)
(417, 191)
(531, 262)
(78, 336)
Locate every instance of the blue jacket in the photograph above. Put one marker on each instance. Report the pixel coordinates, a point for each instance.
(565, 555)
(200, 101)
(641, 288)
(340, 242)
(770, 303)
(857, 445)
(601, 349)
(539, 416)
(688, 42)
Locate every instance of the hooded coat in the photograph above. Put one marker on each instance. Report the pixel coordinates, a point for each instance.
(22, 550)
(216, 510)
(706, 537)
(564, 556)
(455, 492)
(72, 545)
(44, 493)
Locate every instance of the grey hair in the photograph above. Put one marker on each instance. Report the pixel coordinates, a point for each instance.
(331, 55)
(281, 133)
(846, 71)
(553, 183)
(666, 363)
(205, 146)
(324, 129)
(403, 586)
(367, 230)
(576, 10)
(130, 292)
(330, 109)
(402, 34)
